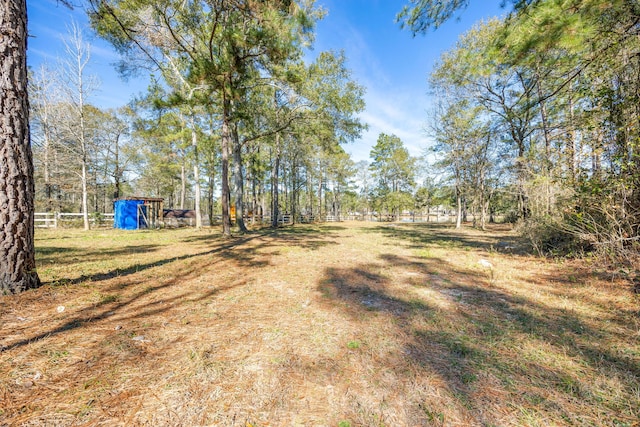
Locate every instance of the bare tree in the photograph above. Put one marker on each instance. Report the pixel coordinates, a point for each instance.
(77, 88)
(45, 132)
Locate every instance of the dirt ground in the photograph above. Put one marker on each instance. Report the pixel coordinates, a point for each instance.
(348, 324)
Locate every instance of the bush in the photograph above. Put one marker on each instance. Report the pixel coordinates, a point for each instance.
(603, 223)
(550, 236)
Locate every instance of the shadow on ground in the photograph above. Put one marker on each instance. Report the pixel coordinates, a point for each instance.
(490, 347)
(249, 251)
(419, 235)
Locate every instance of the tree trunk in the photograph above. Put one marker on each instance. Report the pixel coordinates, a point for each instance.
(294, 191)
(211, 189)
(196, 175)
(320, 181)
(85, 207)
(224, 165)
(17, 251)
(571, 142)
(116, 170)
(483, 205)
(547, 145)
(274, 186)
(46, 172)
(254, 199)
(459, 208)
(183, 184)
(238, 181)
(465, 209)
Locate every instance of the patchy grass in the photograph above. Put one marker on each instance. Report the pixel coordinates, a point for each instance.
(341, 325)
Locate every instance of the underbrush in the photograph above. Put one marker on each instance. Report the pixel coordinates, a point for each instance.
(613, 244)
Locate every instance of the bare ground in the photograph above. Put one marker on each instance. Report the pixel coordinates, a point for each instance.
(340, 325)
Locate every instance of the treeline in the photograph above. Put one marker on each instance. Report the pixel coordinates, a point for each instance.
(233, 109)
(543, 109)
(234, 122)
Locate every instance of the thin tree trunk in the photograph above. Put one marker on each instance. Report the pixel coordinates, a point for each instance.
(211, 188)
(116, 169)
(17, 251)
(238, 181)
(547, 145)
(196, 175)
(183, 185)
(294, 190)
(224, 165)
(254, 198)
(47, 174)
(85, 210)
(459, 208)
(83, 140)
(320, 179)
(274, 186)
(483, 210)
(83, 177)
(571, 141)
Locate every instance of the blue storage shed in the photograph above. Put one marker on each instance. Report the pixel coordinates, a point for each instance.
(133, 213)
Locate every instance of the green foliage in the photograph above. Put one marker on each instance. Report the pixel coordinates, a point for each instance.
(392, 165)
(557, 84)
(424, 196)
(394, 170)
(424, 15)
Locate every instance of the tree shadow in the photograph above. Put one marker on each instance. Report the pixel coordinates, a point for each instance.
(303, 236)
(67, 255)
(420, 235)
(251, 251)
(462, 329)
(234, 250)
(95, 313)
(248, 258)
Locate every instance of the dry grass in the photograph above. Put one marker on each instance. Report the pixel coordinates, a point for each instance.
(344, 325)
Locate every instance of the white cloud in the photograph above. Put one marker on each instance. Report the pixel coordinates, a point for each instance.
(392, 112)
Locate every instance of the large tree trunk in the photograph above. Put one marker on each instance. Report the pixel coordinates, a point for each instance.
(17, 252)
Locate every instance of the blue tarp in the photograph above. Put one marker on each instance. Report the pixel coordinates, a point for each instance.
(126, 215)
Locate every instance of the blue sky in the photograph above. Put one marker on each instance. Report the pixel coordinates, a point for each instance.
(391, 63)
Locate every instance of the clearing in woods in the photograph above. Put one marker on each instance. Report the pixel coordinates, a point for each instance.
(341, 325)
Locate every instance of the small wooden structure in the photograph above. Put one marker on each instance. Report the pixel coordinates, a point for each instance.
(132, 213)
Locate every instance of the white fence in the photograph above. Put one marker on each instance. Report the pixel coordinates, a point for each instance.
(61, 219)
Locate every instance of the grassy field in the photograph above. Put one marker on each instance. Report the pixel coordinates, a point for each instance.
(331, 325)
